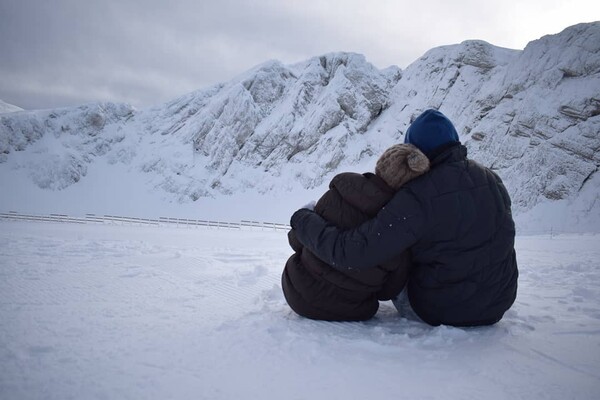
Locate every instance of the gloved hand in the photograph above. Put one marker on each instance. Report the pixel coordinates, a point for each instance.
(310, 206)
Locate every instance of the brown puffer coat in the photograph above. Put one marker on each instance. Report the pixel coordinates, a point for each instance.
(313, 288)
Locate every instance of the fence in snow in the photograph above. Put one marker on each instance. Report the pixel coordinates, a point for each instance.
(162, 221)
(189, 223)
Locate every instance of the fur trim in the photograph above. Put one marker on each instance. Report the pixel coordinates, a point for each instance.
(401, 163)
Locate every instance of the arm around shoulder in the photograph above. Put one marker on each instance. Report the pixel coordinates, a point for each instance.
(395, 228)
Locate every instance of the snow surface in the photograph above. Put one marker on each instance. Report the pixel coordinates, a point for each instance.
(127, 312)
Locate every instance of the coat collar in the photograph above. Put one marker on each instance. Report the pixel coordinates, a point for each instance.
(452, 153)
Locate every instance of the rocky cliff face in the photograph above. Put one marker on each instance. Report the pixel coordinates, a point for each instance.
(531, 115)
(543, 134)
(276, 120)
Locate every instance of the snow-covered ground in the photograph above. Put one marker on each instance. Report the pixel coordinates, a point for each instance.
(131, 312)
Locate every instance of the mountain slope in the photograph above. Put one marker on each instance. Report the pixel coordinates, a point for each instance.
(7, 108)
(531, 115)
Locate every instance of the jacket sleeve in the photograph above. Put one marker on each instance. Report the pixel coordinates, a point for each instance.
(293, 241)
(396, 279)
(395, 228)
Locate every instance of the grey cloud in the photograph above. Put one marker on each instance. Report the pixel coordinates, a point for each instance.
(66, 52)
(94, 48)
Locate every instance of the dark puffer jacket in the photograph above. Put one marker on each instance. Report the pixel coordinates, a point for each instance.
(458, 220)
(313, 288)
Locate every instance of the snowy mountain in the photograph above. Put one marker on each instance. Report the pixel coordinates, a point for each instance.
(531, 115)
(58, 145)
(8, 108)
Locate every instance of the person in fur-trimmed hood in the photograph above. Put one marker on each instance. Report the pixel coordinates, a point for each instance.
(316, 290)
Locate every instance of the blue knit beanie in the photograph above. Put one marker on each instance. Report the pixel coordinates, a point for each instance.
(431, 130)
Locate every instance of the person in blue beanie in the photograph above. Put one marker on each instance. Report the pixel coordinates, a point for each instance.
(430, 132)
(457, 222)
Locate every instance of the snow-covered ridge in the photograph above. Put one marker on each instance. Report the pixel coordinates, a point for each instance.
(8, 108)
(66, 140)
(531, 115)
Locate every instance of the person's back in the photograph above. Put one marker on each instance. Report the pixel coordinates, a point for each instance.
(464, 266)
(313, 289)
(457, 219)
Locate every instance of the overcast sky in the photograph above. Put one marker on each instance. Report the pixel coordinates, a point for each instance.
(67, 52)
